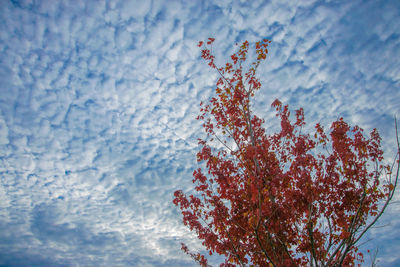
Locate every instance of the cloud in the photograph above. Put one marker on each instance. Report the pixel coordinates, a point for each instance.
(98, 101)
(3, 132)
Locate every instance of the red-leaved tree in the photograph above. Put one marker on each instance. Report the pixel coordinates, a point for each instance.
(286, 199)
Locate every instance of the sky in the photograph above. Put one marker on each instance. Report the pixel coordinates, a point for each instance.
(98, 101)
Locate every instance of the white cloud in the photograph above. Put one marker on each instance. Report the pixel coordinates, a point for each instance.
(3, 131)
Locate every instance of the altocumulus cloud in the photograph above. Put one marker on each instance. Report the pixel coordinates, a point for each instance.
(97, 108)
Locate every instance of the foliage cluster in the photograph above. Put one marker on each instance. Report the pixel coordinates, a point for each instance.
(285, 199)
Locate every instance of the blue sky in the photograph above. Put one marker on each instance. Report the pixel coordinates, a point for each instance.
(98, 101)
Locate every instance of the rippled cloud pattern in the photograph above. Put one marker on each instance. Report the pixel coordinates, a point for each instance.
(98, 101)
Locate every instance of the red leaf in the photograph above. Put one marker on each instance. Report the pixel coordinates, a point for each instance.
(210, 41)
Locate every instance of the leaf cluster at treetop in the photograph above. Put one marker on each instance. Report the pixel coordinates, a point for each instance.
(285, 199)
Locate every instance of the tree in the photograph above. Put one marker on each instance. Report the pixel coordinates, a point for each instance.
(285, 199)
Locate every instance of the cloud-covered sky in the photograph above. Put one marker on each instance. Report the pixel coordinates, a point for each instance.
(98, 101)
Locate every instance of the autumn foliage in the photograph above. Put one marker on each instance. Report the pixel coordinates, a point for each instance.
(285, 199)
